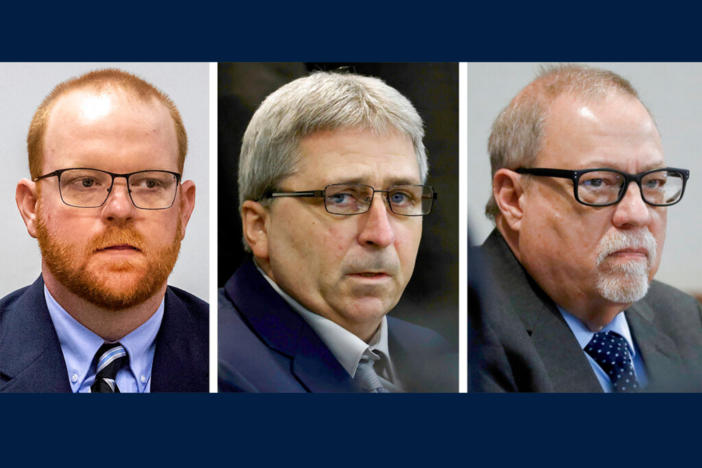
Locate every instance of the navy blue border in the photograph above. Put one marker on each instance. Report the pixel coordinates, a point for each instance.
(414, 430)
(357, 430)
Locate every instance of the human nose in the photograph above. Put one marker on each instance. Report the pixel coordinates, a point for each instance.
(631, 210)
(119, 207)
(378, 229)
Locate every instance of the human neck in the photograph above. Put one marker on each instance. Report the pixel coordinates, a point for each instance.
(364, 331)
(110, 325)
(594, 316)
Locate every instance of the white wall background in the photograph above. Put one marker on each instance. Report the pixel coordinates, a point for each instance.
(23, 86)
(673, 93)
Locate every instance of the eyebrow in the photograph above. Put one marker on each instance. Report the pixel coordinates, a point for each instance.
(607, 165)
(365, 180)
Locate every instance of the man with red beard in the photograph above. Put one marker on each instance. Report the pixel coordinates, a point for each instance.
(108, 206)
(580, 196)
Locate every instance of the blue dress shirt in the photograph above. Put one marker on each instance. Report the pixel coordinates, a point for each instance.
(79, 346)
(618, 325)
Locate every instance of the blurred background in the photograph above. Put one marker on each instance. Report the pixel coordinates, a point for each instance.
(431, 297)
(673, 94)
(23, 87)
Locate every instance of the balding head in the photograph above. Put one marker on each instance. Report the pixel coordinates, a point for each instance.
(518, 133)
(99, 82)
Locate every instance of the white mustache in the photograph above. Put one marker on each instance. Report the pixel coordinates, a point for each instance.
(620, 240)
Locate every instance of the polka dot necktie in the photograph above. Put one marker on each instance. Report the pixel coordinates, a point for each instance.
(367, 378)
(111, 357)
(611, 351)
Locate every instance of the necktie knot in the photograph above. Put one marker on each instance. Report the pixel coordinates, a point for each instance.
(611, 352)
(367, 377)
(110, 358)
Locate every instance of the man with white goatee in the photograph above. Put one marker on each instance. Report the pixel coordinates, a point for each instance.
(580, 192)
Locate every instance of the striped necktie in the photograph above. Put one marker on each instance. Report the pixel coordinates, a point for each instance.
(367, 378)
(111, 357)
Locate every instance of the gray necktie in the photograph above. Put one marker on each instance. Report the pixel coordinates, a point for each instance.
(367, 378)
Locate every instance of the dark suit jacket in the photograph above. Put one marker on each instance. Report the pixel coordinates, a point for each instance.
(31, 359)
(265, 346)
(521, 343)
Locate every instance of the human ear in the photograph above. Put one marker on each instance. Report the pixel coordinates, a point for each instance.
(508, 190)
(27, 201)
(187, 203)
(254, 218)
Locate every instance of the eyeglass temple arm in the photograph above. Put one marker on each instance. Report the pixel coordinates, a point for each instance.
(55, 173)
(309, 194)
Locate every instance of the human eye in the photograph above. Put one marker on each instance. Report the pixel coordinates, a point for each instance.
(656, 181)
(81, 182)
(401, 197)
(341, 198)
(600, 180)
(149, 182)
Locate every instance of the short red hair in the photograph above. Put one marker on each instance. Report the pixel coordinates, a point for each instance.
(97, 81)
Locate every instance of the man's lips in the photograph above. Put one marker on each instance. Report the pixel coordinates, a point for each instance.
(119, 248)
(370, 274)
(630, 253)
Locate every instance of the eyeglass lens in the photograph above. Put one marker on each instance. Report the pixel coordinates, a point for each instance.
(90, 188)
(409, 200)
(605, 187)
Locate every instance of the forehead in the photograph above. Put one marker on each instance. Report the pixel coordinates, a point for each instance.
(358, 156)
(616, 131)
(108, 129)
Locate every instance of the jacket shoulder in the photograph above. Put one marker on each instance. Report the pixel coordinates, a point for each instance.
(11, 299)
(198, 308)
(672, 306)
(423, 358)
(420, 337)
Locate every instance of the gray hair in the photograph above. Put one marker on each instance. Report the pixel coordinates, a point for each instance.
(518, 133)
(321, 101)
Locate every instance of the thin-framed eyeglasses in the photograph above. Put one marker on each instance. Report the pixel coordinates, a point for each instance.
(83, 187)
(605, 187)
(355, 199)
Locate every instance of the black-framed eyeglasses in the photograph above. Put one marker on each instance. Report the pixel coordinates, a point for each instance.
(89, 188)
(605, 187)
(354, 199)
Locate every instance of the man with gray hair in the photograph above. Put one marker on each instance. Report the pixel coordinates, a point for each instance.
(308, 312)
(579, 199)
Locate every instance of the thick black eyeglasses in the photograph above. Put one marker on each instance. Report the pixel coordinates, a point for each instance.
(89, 188)
(352, 199)
(605, 187)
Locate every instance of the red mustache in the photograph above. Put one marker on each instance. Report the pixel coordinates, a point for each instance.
(117, 236)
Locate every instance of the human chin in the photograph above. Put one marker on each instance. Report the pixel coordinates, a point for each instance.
(624, 263)
(111, 282)
(369, 299)
(624, 283)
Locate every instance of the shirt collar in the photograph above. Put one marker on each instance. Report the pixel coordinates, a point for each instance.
(346, 347)
(79, 344)
(584, 335)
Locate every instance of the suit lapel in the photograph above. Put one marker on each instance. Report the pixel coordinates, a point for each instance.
(560, 353)
(663, 364)
(563, 358)
(31, 359)
(283, 330)
(175, 367)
